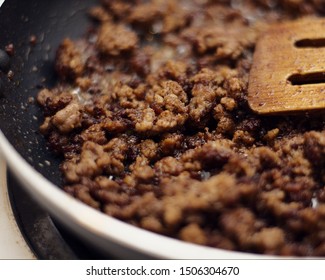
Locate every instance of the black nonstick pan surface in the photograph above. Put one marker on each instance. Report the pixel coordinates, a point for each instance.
(34, 28)
(32, 66)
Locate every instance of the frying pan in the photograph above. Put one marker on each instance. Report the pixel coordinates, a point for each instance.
(25, 149)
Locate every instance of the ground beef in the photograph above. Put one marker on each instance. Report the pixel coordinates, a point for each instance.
(69, 62)
(150, 116)
(114, 39)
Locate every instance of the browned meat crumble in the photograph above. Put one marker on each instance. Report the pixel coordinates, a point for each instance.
(151, 118)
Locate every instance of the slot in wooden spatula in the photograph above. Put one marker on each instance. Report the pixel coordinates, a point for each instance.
(288, 72)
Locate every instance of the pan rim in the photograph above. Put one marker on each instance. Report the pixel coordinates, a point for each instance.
(92, 224)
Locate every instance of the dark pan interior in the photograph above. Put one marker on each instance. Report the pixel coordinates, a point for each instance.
(32, 65)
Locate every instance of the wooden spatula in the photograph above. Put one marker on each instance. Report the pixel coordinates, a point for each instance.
(288, 72)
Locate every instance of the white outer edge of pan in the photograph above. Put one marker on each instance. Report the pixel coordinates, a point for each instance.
(101, 230)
